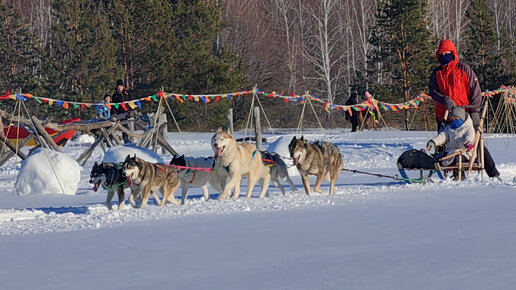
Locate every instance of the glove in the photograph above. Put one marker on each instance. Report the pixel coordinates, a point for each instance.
(469, 146)
(449, 104)
(475, 117)
(430, 146)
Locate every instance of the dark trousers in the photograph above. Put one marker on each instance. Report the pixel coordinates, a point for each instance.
(489, 164)
(354, 122)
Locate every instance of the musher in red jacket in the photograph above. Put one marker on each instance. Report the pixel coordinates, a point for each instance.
(454, 83)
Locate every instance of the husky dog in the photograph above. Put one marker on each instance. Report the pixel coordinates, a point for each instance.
(235, 161)
(322, 159)
(277, 170)
(151, 177)
(111, 177)
(191, 177)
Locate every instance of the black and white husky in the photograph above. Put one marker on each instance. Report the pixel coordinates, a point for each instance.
(190, 177)
(111, 177)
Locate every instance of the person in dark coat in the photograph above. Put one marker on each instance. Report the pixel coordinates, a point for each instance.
(120, 95)
(352, 100)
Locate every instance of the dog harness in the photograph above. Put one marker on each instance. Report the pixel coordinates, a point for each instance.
(161, 168)
(111, 183)
(112, 186)
(193, 177)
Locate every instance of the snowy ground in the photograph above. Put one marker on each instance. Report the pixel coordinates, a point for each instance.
(376, 233)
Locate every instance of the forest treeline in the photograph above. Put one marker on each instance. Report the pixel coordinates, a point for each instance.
(77, 49)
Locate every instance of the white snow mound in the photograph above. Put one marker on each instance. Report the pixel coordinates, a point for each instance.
(48, 172)
(280, 146)
(84, 139)
(118, 154)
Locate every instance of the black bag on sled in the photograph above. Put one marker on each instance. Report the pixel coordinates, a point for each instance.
(416, 159)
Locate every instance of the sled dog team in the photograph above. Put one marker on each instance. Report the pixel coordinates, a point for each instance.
(223, 172)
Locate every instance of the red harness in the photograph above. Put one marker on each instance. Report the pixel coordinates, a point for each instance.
(162, 169)
(268, 162)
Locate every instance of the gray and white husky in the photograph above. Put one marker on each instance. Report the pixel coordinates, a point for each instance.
(190, 177)
(278, 170)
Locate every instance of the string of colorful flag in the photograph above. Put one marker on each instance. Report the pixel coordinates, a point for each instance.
(367, 104)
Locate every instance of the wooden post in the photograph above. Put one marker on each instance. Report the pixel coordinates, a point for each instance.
(39, 128)
(86, 154)
(106, 138)
(164, 144)
(111, 136)
(230, 121)
(163, 130)
(130, 126)
(257, 128)
(143, 139)
(478, 137)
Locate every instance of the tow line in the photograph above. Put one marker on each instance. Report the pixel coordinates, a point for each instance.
(395, 177)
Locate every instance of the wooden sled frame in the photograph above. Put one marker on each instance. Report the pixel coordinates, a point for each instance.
(476, 162)
(460, 167)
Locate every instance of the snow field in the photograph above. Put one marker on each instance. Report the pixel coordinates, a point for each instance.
(375, 233)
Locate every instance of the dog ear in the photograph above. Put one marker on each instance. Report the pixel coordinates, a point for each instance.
(127, 157)
(302, 138)
(219, 130)
(96, 164)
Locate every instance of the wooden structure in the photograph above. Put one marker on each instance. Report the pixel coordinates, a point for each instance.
(504, 118)
(107, 133)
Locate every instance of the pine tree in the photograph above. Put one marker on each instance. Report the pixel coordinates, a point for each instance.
(80, 59)
(17, 69)
(170, 44)
(481, 51)
(198, 68)
(402, 54)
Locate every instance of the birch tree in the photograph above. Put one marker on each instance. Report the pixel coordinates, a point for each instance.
(323, 46)
(282, 12)
(363, 13)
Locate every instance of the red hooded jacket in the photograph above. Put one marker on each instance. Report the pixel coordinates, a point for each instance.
(456, 81)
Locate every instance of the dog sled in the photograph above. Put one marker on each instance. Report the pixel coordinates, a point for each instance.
(17, 134)
(448, 165)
